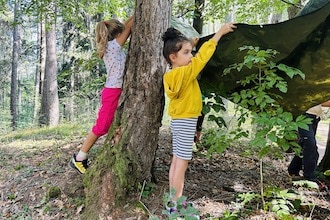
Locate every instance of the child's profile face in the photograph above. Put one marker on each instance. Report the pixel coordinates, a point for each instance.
(183, 56)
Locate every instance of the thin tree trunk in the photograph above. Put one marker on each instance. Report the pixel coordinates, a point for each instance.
(49, 102)
(19, 94)
(40, 66)
(127, 157)
(69, 47)
(51, 78)
(15, 56)
(71, 98)
(2, 98)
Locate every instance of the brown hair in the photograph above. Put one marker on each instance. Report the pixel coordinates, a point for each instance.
(106, 31)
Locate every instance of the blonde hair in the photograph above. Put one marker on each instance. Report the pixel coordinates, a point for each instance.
(106, 31)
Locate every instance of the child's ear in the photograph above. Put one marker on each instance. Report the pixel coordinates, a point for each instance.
(172, 57)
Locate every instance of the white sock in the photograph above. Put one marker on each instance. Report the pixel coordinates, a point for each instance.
(81, 156)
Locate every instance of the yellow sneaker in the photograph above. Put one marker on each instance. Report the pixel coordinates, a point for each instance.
(80, 166)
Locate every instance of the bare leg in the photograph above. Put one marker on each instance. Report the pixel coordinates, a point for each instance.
(79, 161)
(90, 140)
(178, 175)
(172, 168)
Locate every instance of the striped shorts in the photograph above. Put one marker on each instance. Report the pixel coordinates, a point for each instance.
(183, 133)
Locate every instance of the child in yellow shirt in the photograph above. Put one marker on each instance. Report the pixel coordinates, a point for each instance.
(181, 86)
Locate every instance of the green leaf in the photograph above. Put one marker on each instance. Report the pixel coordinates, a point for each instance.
(290, 136)
(259, 100)
(236, 97)
(275, 208)
(216, 107)
(282, 86)
(206, 109)
(309, 184)
(327, 173)
(272, 136)
(301, 74)
(284, 207)
(251, 102)
(282, 67)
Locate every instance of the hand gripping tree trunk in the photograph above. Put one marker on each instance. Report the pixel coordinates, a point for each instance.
(128, 154)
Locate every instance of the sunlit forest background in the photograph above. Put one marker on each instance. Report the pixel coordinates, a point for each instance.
(50, 73)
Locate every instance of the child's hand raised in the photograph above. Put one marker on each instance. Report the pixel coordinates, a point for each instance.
(194, 41)
(225, 29)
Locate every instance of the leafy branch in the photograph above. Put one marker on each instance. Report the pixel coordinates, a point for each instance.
(275, 130)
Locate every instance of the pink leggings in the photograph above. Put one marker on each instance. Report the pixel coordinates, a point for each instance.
(109, 103)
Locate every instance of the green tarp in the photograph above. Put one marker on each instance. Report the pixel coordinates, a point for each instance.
(303, 42)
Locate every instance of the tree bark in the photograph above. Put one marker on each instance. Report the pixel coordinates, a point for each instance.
(129, 152)
(39, 69)
(72, 95)
(14, 66)
(49, 101)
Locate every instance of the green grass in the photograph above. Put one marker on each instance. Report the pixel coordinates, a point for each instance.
(61, 131)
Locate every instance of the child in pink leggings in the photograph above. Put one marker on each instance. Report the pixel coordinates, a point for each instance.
(110, 37)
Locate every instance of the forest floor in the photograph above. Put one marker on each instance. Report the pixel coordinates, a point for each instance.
(37, 183)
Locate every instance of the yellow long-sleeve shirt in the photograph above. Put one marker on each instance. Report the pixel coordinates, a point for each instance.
(181, 85)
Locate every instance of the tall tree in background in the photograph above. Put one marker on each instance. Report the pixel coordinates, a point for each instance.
(81, 88)
(49, 101)
(40, 69)
(15, 56)
(129, 152)
(198, 16)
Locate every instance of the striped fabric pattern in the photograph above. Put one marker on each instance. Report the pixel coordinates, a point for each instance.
(183, 132)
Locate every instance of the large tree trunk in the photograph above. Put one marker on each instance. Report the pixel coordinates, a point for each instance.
(14, 66)
(49, 102)
(325, 162)
(127, 157)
